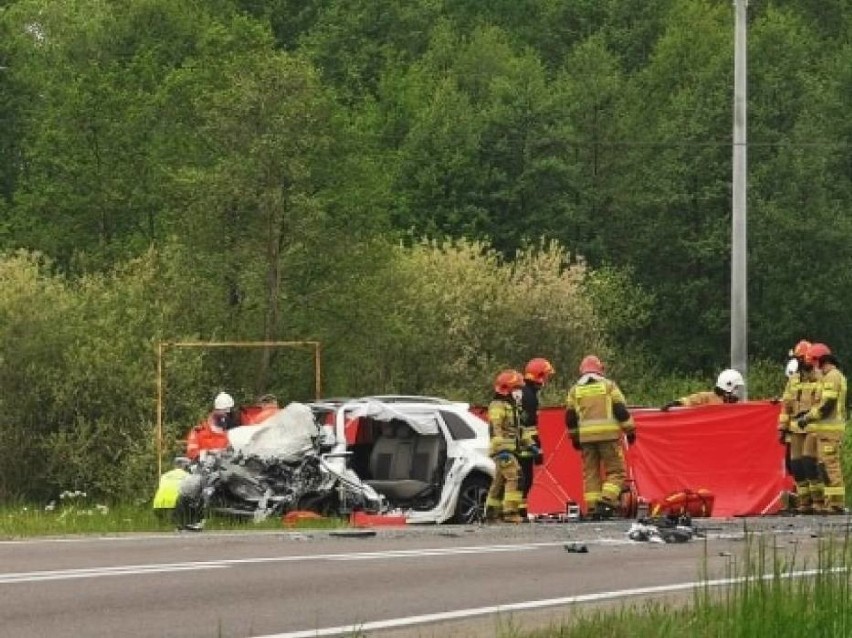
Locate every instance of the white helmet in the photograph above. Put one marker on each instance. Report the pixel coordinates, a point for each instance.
(729, 380)
(792, 367)
(223, 401)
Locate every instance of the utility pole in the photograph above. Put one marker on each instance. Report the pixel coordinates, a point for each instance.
(739, 307)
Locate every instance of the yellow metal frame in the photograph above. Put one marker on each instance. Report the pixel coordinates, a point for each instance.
(162, 346)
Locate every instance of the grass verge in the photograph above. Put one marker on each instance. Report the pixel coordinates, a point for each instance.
(76, 516)
(769, 595)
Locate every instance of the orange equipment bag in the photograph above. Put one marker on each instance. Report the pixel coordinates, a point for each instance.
(695, 503)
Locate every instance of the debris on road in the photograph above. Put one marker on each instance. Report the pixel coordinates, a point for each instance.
(576, 548)
(353, 533)
(664, 530)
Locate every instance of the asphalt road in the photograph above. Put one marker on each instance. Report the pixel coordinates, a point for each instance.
(416, 582)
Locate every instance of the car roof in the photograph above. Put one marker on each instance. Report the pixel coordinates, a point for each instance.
(407, 398)
(414, 403)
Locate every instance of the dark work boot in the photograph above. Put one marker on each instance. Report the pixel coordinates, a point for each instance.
(512, 517)
(604, 511)
(492, 514)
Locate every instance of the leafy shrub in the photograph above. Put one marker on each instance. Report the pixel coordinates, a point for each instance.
(453, 314)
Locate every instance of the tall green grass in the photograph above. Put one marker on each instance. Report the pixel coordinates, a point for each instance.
(768, 596)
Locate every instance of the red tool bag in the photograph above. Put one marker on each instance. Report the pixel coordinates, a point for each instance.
(695, 503)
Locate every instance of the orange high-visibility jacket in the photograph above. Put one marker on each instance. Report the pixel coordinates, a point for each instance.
(203, 437)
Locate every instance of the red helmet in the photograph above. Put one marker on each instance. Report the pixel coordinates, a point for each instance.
(591, 364)
(801, 349)
(538, 370)
(816, 352)
(507, 381)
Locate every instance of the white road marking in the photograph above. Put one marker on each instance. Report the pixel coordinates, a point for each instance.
(132, 570)
(146, 537)
(416, 553)
(69, 574)
(525, 606)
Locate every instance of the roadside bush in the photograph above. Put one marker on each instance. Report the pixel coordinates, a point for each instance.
(453, 314)
(78, 406)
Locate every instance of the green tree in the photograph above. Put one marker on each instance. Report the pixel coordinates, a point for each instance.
(670, 213)
(90, 164)
(354, 42)
(800, 191)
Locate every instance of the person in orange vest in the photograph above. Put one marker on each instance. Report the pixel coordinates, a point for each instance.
(824, 425)
(728, 384)
(504, 419)
(536, 375)
(212, 433)
(596, 416)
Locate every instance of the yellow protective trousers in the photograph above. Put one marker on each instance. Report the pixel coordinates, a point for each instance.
(827, 487)
(504, 493)
(803, 484)
(603, 472)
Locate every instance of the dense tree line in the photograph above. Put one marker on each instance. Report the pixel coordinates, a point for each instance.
(380, 175)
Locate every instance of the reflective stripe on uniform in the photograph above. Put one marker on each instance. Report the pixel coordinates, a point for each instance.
(827, 427)
(599, 428)
(590, 390)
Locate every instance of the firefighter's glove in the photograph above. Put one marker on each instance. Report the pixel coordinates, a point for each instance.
(503, 457)
(670, 405)
(535, 452)
(575, 442)
(631, 438)
(802, 422)
(782, 437)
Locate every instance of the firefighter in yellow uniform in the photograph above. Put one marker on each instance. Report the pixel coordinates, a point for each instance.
(799, 396)
(596, 416)
(504, 418)
(824, 425)
(537, 373)
(728, 384)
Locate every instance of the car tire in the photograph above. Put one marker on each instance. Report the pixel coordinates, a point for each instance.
(470, 506)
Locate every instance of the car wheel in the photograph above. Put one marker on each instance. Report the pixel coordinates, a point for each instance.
(470, 507)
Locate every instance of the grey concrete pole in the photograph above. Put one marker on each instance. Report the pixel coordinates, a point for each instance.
(739, 307)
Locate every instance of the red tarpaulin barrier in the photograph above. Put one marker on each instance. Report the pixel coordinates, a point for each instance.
(732, 450)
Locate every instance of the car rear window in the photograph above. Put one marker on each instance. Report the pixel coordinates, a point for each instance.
(457, 426)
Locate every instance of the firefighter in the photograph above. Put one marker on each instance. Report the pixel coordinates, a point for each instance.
(596, 417)
(504, 418)
(824, 424)
(212, 433)
(728, 384)
(798, 398)
(536, 374)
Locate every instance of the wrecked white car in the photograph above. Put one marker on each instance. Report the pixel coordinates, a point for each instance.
(423, 457)
(278, 466)
(427, 457)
